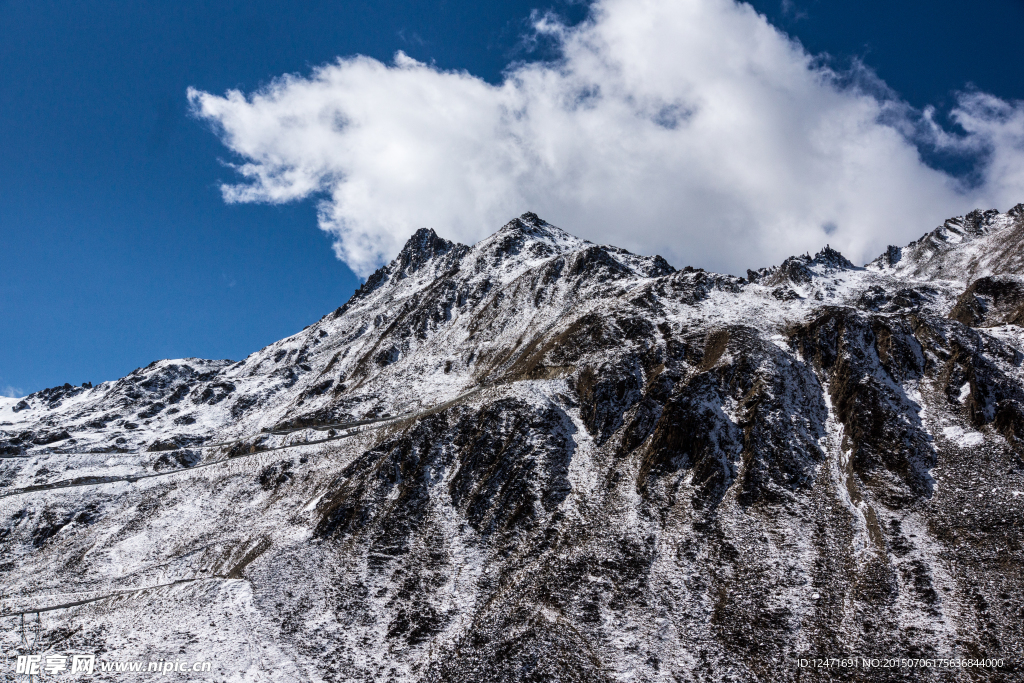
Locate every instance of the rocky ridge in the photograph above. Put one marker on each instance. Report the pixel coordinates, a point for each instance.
(538, 458)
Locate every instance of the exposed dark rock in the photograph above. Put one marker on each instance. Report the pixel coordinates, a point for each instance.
(51, 437)
(991, 301)
(865, 365)
(177, 459)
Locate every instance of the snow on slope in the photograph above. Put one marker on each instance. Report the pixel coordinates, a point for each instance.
(538, 456)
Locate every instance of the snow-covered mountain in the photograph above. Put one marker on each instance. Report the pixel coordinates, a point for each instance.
(538, 458)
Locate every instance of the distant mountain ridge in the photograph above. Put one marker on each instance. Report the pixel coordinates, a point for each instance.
(538, 458)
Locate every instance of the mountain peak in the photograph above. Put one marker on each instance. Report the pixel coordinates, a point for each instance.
(532, 225)
(832, 259)
(977, 222)
(966, 247)
(802, 269)
(422, 247)
(521, 242)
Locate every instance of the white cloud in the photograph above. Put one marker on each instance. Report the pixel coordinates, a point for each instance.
(689, 128)
(11, 392)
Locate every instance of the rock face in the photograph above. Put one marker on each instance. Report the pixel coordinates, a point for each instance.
(540, 459)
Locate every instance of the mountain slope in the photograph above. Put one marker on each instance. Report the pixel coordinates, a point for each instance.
(538, 458)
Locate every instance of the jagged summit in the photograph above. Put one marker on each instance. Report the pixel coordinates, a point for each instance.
(533, 226)
(832, 259)
(524, 240)
(980, 222)
(424, 255)
(979, 244)
(519, 245)
(802, 269)
(422, 247)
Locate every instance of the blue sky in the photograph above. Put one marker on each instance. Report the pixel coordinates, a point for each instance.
(116, 245)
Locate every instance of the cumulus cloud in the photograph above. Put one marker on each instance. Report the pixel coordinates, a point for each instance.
(689, 128)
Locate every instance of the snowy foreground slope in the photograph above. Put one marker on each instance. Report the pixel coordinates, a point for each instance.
(540, 459)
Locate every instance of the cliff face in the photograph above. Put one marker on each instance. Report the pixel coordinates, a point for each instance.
(538, 458)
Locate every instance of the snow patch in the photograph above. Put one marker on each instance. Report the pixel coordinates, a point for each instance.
(963, 438)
